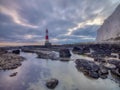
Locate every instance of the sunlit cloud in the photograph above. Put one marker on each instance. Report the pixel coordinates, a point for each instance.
(28, 36)
(16, 17)
(96, 21)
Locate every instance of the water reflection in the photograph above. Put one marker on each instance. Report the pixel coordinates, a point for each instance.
(34, 72)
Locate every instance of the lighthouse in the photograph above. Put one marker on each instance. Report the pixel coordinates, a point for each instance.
(47, 43)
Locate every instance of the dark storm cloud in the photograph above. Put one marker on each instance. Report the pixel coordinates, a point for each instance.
(68, 21)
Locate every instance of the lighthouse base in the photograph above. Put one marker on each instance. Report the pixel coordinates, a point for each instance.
(47, 44)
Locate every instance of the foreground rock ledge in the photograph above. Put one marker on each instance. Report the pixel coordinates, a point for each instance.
(91, 69)
(10, 61)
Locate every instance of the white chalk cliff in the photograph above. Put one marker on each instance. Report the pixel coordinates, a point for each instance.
(110, 30)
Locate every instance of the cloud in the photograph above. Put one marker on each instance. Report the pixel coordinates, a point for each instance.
(96, 21)
(68, 21)
(15, 17)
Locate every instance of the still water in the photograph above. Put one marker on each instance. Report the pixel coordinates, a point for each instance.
(34, 72)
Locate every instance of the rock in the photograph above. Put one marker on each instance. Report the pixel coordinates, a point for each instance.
(13, 74)
(101, 53)
(48, 55)
(76, 49)
(10, 61)
(116, 72)
(103, 72)
(54, 55)
(114, 62)
(2, 51)
(52, 83)
(16, 51)
(93, 74)
(88, 68)
(65, 53)
(81, 50)
(119, 55)
(100, 60)
(110, 66)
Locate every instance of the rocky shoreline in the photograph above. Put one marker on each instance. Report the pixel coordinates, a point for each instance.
(100, 66)
(10, 60)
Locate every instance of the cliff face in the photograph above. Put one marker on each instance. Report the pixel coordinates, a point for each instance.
(110, 30)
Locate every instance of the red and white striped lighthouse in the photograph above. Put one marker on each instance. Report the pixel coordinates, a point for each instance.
(46, 37)
(47, 43)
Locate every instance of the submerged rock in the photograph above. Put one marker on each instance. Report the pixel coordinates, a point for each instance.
(52, 83)
(13, 74)
(64, 53)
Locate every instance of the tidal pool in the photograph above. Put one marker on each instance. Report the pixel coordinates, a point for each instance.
(34, 72)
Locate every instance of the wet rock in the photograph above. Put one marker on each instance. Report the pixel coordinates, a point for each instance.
(16, 51)
(2, 51)
(93, 74)
(116, 72)
(81, 50)
(114, 62)
(13, 74)
(52, 83)
(64, 53)
(28, 50)
(103, 52)
(103, 72)
(76, 49)
(100, 60)
(88, 68)
(119, 55)
(48, 55)
(10, 61)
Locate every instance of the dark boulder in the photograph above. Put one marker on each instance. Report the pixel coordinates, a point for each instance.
(64, 53)
(76, 49)
(16, 51)
(86, 49)
(52, 83)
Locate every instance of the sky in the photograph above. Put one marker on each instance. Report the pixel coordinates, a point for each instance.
(68, 21)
